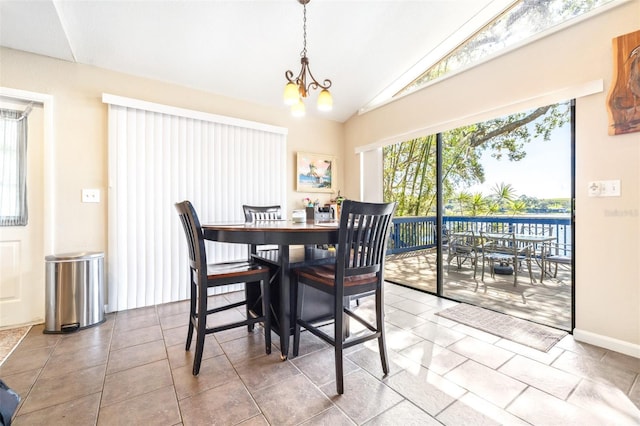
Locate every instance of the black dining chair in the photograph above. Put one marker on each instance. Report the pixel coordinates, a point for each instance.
(204, 276)
(257, 213)
(358, 271)
(253, 213)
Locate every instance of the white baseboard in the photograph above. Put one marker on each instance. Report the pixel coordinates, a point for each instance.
(610, 343)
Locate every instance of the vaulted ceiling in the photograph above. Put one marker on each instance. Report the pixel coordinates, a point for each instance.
(241, 49)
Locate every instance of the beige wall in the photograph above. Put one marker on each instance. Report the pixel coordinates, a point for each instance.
(607, 245)
(80, 125)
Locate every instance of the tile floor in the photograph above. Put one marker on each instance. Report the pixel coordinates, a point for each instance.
(547, 303)
(133, 369)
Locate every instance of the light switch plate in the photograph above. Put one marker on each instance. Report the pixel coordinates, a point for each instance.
(604, 188)
(611, 188)
(90, 195)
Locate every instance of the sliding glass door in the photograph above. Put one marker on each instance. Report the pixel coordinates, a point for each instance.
(508, 180)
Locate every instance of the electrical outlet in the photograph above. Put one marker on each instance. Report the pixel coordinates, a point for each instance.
(90, 195)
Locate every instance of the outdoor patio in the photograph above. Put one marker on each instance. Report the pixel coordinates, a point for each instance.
(547, 303)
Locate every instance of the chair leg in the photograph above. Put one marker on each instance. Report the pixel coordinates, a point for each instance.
(531, 279)
(266, 312)
(298, 294)
(347, 323)
(482, 276)
(201, 332)
(189, 333)
(197, 360)
(338, 334)
(192, 316)
(483, 264)
(382, 346)
(475, 267)
(250, 327)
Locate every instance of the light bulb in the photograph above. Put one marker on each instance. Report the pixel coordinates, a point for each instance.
(325, 100)
(291, 94)
(298, 109)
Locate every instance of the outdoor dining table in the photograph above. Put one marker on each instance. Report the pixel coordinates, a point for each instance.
(519, 238)
(527, 239)
(522, 238)
(287, 235)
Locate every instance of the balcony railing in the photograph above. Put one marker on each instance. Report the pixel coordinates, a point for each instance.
(416, 233)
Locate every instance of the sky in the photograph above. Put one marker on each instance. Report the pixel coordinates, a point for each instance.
(545, 172)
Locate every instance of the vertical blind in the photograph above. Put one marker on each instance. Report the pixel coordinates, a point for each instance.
(157, 159)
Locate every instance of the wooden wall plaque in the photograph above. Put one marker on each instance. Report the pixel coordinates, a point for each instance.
(623, 101)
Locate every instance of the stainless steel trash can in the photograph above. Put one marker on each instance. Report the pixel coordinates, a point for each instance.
(74, 291)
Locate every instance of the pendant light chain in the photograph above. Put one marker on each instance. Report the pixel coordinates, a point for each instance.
(304, 31)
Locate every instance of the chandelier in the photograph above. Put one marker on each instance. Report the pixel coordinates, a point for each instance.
(298, 88)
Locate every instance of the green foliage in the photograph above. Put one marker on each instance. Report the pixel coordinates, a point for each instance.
(410, 167)
(520, 21)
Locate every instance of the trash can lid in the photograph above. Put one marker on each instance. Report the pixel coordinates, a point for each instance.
(70, 257)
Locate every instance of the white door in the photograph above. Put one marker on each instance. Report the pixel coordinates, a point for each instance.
(22, 247)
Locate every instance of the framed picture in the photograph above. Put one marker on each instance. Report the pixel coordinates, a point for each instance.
(315, 172)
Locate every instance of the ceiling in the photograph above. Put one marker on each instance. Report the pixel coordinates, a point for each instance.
(241, 49)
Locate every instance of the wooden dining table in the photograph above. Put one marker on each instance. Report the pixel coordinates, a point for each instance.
(297, 245)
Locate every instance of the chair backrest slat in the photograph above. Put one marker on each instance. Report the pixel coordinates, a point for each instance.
(364, 230)
(254, 213)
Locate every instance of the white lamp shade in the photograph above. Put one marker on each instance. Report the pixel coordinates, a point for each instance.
(291, 94)
(298, 109)
(325, 100)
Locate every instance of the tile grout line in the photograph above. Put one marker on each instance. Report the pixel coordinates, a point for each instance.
(106, 366)
(166, 351)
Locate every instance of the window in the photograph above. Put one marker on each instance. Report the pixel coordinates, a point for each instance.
(520, 22)
(523, 22)
(13, 167)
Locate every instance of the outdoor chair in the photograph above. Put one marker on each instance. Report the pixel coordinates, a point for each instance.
(501, 251)
(461, 248)
(554, 254)
(362, 243)
(537, 229)
(204, 276)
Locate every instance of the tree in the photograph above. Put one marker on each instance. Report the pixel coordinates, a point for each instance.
(462, 199)
(409, 167)
(517, 207)
(502, 194)
(477, 205)
(409, 177)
